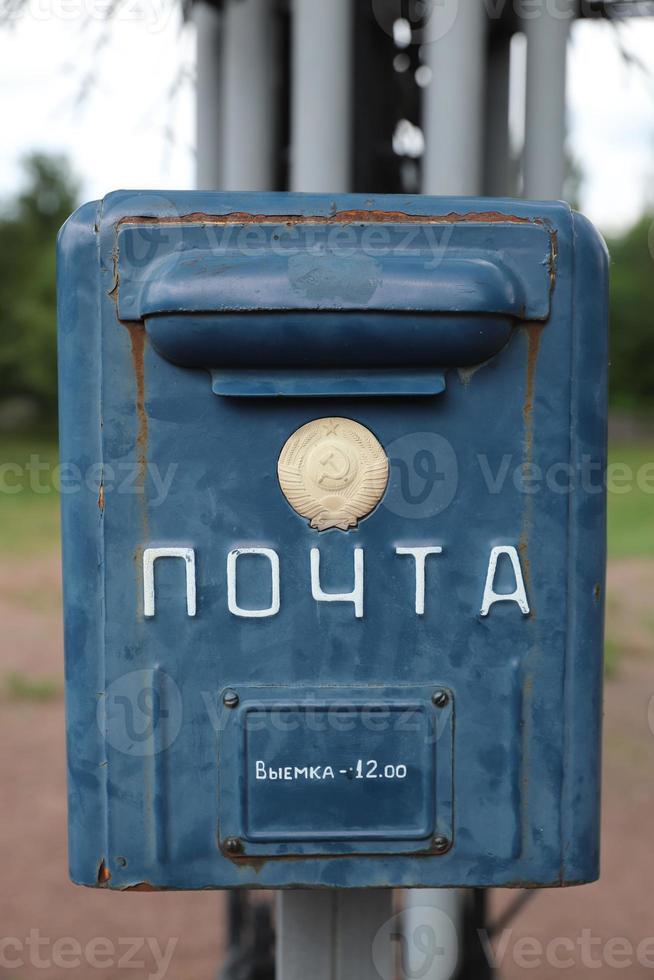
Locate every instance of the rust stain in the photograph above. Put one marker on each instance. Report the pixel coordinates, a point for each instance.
(137, 339)
(104, 874)
(101, 498)
(256, 864)
(138, 563)
(533, 332)
(525, 561)
(146, 886)
(338, 217)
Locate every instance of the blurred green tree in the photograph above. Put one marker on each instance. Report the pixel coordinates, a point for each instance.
(632, 317)
(28, 231)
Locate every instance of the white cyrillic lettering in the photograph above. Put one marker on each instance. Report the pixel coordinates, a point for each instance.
(420, 555)
(356, 596)
(232, 604)
(519, 595)
(150, 555)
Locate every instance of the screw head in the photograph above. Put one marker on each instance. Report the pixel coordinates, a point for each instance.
(232, 845)
(441, 844)
(440, 699)
(230, 699)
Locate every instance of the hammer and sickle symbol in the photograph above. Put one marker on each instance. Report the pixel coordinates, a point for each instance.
(331, 468)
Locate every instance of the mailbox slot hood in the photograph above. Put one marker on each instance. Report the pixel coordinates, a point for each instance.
(268, 314)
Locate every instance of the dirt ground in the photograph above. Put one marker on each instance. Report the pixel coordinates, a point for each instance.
(597, 929)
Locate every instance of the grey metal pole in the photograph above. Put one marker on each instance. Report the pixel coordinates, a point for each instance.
(329, 935)
(453, 125)
(321, 101)
(547, 43)
(454, 100)
(249, 86)
(498, 169)
(433, 932)
(208, 110)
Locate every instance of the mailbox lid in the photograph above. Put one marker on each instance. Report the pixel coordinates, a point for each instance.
(527, 690)
(385, 294)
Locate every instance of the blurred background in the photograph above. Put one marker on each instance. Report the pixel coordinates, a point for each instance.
(101, 94)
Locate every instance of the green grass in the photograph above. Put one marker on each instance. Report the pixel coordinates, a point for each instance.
(611, 656)
(19, 687)
(631, 514)
(29, 518)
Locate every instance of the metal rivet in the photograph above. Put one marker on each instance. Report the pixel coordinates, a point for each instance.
(232, 845)
(230, 699)
(121, 862)
(441, 699)
(440, 844)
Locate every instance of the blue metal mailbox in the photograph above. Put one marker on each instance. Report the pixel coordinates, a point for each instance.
(334, 540)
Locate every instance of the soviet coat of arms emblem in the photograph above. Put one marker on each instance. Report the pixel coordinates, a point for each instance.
(333, 471)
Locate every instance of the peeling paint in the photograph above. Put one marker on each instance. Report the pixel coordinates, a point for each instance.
(338, 217)
(554, 255)
(104, 874)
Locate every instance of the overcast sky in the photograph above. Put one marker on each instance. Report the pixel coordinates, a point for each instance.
(123, 112)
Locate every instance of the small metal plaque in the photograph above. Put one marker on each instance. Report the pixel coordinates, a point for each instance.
(336, 772)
